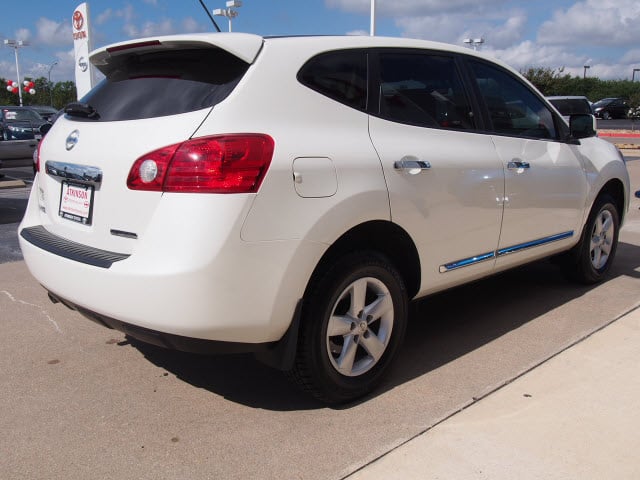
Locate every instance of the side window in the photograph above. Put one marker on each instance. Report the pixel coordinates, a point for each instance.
(514, 109)
(424, 90)
(340, 75)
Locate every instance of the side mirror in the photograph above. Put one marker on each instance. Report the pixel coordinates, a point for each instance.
(44, 128)
(582, 126)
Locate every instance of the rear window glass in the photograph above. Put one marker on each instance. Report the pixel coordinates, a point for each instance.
(340, 75)
(161, 83)
(571, 106)
(20, 115)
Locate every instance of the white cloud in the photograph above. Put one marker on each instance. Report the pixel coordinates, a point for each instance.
(190, 25)
(594, 22)
(529, 54)
(23, 34)
(399, 8)
(499, 30)
(104, 17)
(50, 32)
(632, 56)
(149, 29)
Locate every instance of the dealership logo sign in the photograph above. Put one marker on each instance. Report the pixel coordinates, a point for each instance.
(78, 23)
(82, 63)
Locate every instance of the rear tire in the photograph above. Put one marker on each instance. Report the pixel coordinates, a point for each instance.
(590, 260)
(353, 322)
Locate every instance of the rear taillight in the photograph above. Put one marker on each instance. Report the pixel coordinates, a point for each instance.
(36, 156)
(218, 164)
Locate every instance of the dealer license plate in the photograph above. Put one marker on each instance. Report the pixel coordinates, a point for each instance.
(76, 202)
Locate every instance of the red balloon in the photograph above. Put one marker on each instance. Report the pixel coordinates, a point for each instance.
(9, 82)
(15, 90)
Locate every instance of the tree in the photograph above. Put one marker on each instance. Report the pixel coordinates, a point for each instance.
(61, 93)
(553, 82)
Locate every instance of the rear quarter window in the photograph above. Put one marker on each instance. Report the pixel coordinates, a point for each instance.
(340, 75)
(161, 83)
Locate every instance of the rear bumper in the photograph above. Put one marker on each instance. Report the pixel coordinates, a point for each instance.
(245, 294)
(167, 340)
(280, 354)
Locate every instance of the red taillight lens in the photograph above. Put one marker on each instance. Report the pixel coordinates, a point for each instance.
(216, 164)
(36, 156)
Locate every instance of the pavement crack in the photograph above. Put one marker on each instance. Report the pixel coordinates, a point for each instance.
(38, 307)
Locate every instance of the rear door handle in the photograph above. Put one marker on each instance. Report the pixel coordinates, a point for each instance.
(411, 165)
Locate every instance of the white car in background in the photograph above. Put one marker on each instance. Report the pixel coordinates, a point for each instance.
(290, 196)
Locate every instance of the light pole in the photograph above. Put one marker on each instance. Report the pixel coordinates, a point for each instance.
(16, 44)
(633, 75)
(475, 43)
(584, 74)
(229, 12)
(49, 84)
(372, 31)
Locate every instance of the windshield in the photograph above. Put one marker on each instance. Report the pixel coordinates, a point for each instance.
(604, 101)
(21, 115)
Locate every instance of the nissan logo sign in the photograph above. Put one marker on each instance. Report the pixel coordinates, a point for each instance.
(82, 63)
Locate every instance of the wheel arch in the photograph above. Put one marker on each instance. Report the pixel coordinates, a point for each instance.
(380, 236)
(615, 189)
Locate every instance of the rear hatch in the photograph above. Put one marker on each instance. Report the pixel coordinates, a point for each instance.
(156, 93)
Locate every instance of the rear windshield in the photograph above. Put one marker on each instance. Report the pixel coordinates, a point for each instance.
(161, 83)
(571, 106)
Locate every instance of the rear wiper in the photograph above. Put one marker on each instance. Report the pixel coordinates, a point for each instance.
(79, 109)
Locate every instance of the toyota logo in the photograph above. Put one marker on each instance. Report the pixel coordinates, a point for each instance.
(78, 20)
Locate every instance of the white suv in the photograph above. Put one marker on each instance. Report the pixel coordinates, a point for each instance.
(289, 196)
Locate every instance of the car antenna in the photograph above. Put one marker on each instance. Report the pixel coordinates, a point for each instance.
(210, 16)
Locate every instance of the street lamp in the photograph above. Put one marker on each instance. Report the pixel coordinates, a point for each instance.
(49, 84)
(475, 43)
(633, 75)
(16, 44)
(372, 31)
(584, 74)
(229, 12)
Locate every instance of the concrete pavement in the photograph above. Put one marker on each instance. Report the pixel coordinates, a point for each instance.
(576, 416)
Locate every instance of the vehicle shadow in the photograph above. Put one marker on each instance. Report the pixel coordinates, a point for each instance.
(12, 210)
(441, 329)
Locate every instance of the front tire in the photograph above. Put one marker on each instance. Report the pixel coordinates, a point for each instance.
(591, 259)
(353, 322)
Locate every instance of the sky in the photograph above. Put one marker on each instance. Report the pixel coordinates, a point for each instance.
(569, 34)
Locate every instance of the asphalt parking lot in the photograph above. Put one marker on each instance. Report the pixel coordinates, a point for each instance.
(80, 401)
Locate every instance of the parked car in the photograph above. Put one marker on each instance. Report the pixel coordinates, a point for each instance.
(45, 111)
(608, 108)
(19, 131)
(571, 105)
(289, 196)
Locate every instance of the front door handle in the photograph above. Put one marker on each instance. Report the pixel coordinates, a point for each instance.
(517, 165)
(411, 165)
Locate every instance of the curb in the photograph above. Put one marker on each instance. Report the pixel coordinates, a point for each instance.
(11, 184)
(623, 134)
